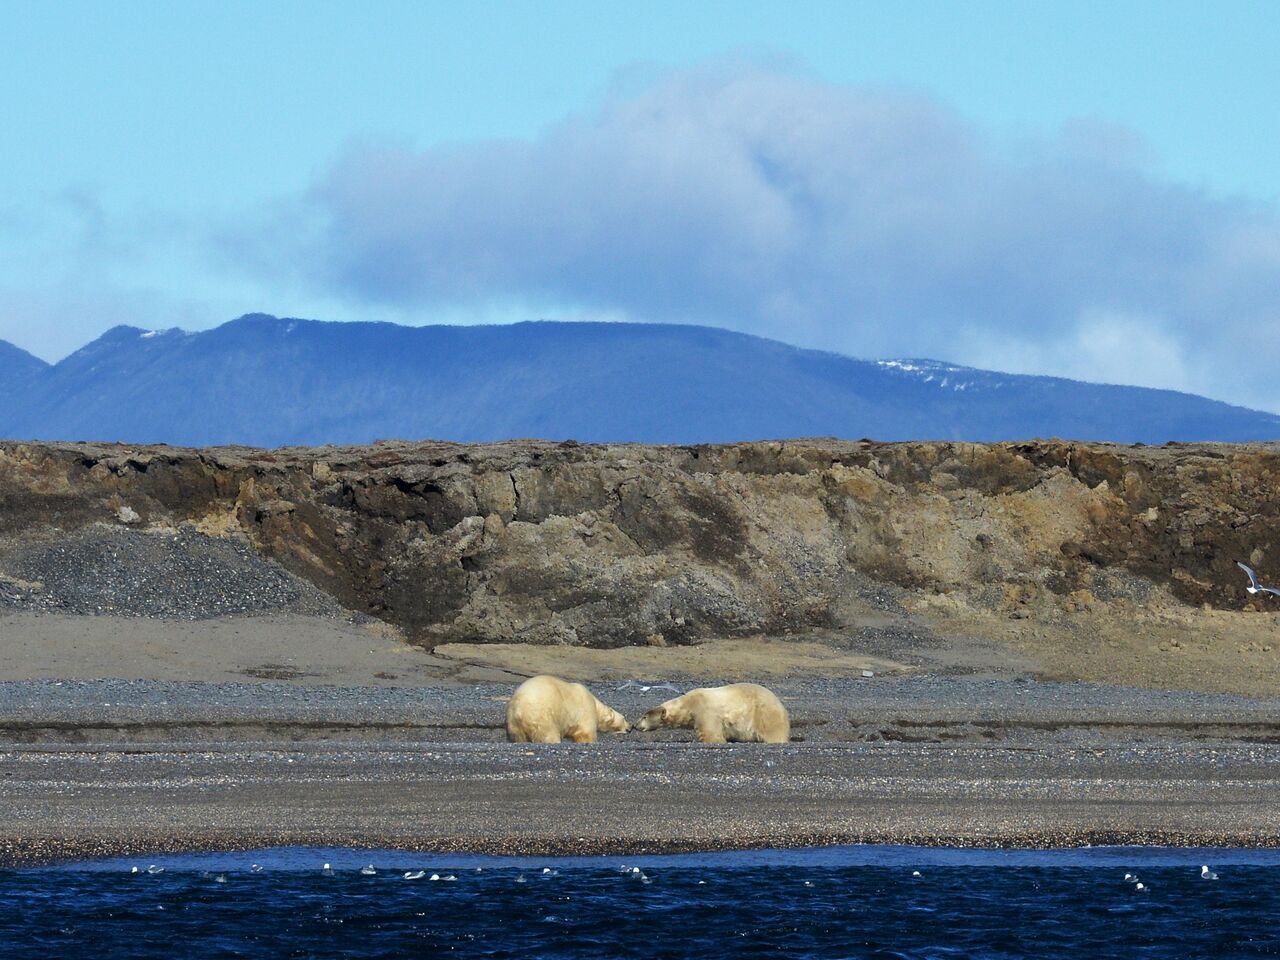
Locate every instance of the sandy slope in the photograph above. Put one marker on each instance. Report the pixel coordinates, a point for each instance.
(288, 647)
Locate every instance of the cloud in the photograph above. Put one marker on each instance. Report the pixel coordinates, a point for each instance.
(74, 266)
(874, 222)
(1104, 346)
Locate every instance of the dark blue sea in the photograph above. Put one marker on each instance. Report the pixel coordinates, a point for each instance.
(835, 902)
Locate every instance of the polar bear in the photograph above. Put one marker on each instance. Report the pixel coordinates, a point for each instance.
(545, 709)
(737, 713)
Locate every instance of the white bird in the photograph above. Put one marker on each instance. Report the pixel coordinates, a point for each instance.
(435, 876)
(450, 877)
(154, 869)
(1255, 585)
(645, 689)
(1131, 878)
(327, 870)
(133, 869)
(220, 878)
(368, 871)
(414, 874)
(808, 883)
(256, 868)
(915, 873)
(520, 879)
(1207, 874)
(1142, 887)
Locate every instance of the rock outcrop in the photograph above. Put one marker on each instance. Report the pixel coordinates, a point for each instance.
(614, 545)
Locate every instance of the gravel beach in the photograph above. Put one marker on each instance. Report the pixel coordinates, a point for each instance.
(92, 768)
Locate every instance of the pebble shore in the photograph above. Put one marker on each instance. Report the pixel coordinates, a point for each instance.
(97, 768)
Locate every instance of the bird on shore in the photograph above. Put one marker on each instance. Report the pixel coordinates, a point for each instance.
(1255, 585)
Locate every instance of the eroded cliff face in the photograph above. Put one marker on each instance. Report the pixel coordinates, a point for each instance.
(613, 545)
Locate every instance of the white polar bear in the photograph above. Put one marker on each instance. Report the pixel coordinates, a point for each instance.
(546, 709)
(737, 713)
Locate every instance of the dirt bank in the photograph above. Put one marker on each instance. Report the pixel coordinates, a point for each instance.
(1084, 560)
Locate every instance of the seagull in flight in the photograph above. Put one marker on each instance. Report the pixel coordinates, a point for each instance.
(1255, 585)
(635, 684)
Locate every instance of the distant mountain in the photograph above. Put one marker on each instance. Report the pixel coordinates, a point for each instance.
(16, 366)
(266, 381)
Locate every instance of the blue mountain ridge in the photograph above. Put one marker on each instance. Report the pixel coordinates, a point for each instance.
(17, 365)
(266, 381)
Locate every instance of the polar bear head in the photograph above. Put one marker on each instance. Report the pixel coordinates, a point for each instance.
(610, 719)
(673, 713)
(652, 720)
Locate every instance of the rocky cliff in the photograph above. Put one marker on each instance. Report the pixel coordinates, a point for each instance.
(612, 545)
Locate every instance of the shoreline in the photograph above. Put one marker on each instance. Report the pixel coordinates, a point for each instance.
(101, 768)
(68, 802)
(48, 853)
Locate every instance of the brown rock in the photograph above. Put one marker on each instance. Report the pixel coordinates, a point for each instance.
(602, 545)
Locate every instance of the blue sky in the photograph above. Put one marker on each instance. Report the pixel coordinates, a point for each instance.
(1088, 189)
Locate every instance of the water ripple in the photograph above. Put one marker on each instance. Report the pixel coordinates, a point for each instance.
(860, 902)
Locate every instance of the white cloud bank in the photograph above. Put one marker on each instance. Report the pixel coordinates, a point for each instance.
(873, 222)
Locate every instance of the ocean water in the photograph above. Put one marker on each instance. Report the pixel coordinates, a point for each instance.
(834, 902)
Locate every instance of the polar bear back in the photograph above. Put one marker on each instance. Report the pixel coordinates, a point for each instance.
(749, 712)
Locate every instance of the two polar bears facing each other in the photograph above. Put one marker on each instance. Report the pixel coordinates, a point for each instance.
(547, 710)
